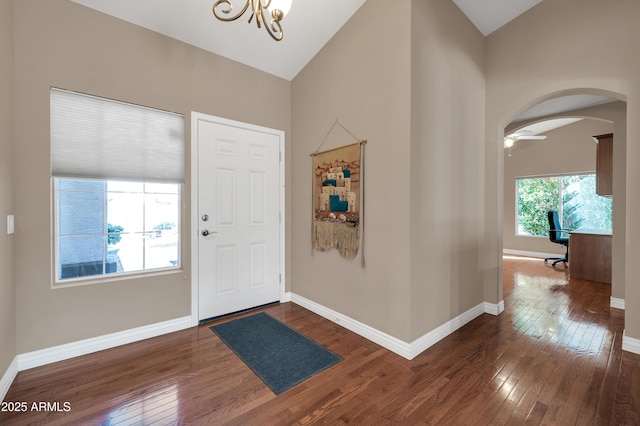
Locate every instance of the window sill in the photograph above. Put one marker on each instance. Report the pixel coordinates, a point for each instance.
(78, 282)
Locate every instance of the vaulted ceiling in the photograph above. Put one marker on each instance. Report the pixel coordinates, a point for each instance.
(307, 28)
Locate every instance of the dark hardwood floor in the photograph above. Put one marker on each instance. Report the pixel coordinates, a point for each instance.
(553, 357)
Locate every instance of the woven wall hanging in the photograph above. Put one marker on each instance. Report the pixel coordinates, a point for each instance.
(338, 198)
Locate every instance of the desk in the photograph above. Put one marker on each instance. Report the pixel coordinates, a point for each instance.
(590, 255)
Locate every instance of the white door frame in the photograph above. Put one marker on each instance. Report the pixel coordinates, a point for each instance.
(195, 187)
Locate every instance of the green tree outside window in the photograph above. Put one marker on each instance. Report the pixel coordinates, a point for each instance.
(573, 196)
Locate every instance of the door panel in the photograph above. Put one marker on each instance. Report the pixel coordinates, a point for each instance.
(239, 194)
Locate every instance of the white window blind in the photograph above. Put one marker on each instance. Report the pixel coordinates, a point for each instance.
(99, 138)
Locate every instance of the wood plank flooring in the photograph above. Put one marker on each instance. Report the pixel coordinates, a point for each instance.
(553, 357)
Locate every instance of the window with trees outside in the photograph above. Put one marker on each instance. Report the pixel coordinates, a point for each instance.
(573, 196)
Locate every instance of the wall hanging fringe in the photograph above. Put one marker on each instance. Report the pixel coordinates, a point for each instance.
(338, 197)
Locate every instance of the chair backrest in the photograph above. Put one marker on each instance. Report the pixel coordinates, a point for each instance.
(554, 226)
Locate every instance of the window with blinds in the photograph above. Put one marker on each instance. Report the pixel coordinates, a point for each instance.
(117, 171)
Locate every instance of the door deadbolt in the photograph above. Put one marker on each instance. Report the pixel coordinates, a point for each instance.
(205, 217)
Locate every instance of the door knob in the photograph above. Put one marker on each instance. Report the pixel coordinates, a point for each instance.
(207, 232)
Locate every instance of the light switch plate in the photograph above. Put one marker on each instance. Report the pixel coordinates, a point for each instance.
(10, 224)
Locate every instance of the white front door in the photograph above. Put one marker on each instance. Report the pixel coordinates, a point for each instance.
(238, 205)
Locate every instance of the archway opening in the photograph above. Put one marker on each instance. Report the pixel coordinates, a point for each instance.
(581, 111)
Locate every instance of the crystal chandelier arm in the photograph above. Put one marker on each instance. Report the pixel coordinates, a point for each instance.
(219, 4)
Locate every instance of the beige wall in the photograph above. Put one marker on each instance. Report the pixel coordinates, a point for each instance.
(447, 124)
(62, 44)
(559, 48)
(362, 78)
(406, 91)
(569, 149)
(7, 284)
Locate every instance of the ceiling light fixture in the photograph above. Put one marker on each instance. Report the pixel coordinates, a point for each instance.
(508, 141)
(520, 135)
(276, 8)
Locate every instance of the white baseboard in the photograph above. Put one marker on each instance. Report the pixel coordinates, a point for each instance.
(95, 344)
(286, 297)
(400, 347)
(494, 308)
(630, 344)
(393, 344)
(434, 336)
(614, 302)
(530, 253)
(8, 377)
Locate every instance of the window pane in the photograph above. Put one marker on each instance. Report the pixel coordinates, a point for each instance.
(125, 212)
(80, 213)
(582, 207)
(131, 252)
(535, 197)
(162, 219)
(139, 231)
(81, 256)
(162, 251)
(161, 213)
(574, 197)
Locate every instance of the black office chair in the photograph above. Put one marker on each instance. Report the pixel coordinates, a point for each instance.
(555, 235)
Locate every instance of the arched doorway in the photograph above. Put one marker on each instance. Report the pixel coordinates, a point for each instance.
(610, 107)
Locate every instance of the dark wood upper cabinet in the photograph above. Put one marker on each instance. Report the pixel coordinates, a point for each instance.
(604, 164)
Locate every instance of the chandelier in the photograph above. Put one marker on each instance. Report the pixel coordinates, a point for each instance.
(276, 8)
